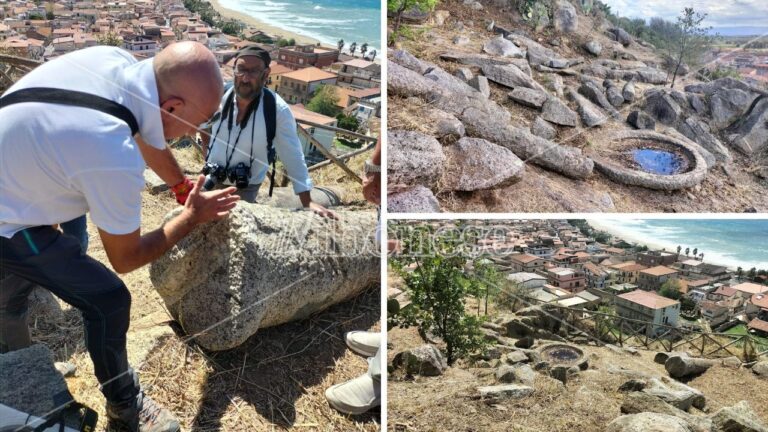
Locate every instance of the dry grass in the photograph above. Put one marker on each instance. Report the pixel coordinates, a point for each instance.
(587, 403)
(275, 381)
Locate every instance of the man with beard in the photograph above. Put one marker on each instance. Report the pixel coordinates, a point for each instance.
(239, 143)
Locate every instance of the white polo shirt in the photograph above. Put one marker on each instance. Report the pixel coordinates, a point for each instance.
(59, 162)
(286, 144)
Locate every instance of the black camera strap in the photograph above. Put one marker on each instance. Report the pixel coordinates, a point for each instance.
(72, 98)
(270, 121)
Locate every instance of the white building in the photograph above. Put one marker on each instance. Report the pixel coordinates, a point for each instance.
(648, 307)
(141, 45)
(527, 280)
(323, 136)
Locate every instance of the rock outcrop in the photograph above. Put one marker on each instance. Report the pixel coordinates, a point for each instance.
(30, 384)
(750, 135)
(414, 159)
(417, 199)
(476, 164)
(262, 267)
(425, 360)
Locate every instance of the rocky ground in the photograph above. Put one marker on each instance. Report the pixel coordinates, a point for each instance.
(515, 386)
(487, 114)
(274, 381)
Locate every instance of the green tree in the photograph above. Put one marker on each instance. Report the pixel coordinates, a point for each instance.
(324, 101)
(752, 274)
(232, 28)
(350, 123)
(671, 289)
(692, 42)
(695, 252)
(687, 251)
(679, 249)
(340, 44)
(433, 270)
(485, 281)
(373, 54)
(110, 38)
(363, 49)
(398, 7)
(739, 272)
(687, 304)
(353, 48)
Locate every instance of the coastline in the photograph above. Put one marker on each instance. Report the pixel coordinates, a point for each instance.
(266, 28)
(612, 229)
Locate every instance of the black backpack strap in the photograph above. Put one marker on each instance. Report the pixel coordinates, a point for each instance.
(73, 98)
(270, 120)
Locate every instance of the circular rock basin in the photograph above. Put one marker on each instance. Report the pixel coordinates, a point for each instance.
(657, 161)
(563, 355)
(652, 160)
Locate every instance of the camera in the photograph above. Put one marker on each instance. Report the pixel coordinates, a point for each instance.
(213, 174)
(240, 175)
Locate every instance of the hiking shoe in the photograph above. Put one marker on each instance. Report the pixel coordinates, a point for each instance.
(143, 415)
(363, 343)
(356, 396)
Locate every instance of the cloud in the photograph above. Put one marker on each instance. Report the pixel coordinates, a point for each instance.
(721, 13)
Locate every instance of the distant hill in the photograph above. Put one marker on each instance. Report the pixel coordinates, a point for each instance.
(741, 31)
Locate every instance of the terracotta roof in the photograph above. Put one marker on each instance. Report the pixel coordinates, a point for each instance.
(725, 291)
(758, 324)
(524, 258)
(302, 113)
(310, 74)
(648, 299)
(750, 288)
(594, 269)
(363, 93)
(760, 300)
(360, 63)
(659, 271)
(276, 68)
(710, 305)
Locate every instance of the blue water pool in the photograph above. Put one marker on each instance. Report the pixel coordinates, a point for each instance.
(659, 161)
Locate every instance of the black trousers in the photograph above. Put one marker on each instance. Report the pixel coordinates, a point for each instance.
(43, 256)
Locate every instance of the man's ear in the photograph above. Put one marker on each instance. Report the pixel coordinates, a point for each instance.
(172, 104)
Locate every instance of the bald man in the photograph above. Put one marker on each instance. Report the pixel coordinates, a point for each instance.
(60, 161)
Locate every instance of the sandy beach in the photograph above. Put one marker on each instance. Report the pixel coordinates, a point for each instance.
(612, 228)
(266, 28)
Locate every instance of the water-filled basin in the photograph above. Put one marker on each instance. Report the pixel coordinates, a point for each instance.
(658, 161)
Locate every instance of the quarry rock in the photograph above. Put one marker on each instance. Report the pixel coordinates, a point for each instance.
(262, 266)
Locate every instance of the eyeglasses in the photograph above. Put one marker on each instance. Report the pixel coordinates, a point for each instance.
(251, 73)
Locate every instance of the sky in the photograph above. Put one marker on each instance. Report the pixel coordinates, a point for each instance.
(728, 17)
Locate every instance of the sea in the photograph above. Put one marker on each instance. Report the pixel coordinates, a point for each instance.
(325, 20)
(728, 242)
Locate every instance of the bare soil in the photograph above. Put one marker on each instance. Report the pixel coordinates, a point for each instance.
(587, 403)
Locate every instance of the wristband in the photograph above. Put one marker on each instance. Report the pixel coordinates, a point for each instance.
(369, 168)
(182, 190)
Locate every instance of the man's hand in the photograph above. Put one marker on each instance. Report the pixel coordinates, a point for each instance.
(321, 211)
(372, 188)
(204, 207)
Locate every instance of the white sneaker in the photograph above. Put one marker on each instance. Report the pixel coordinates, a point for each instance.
(356, 396)
(363, 343)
